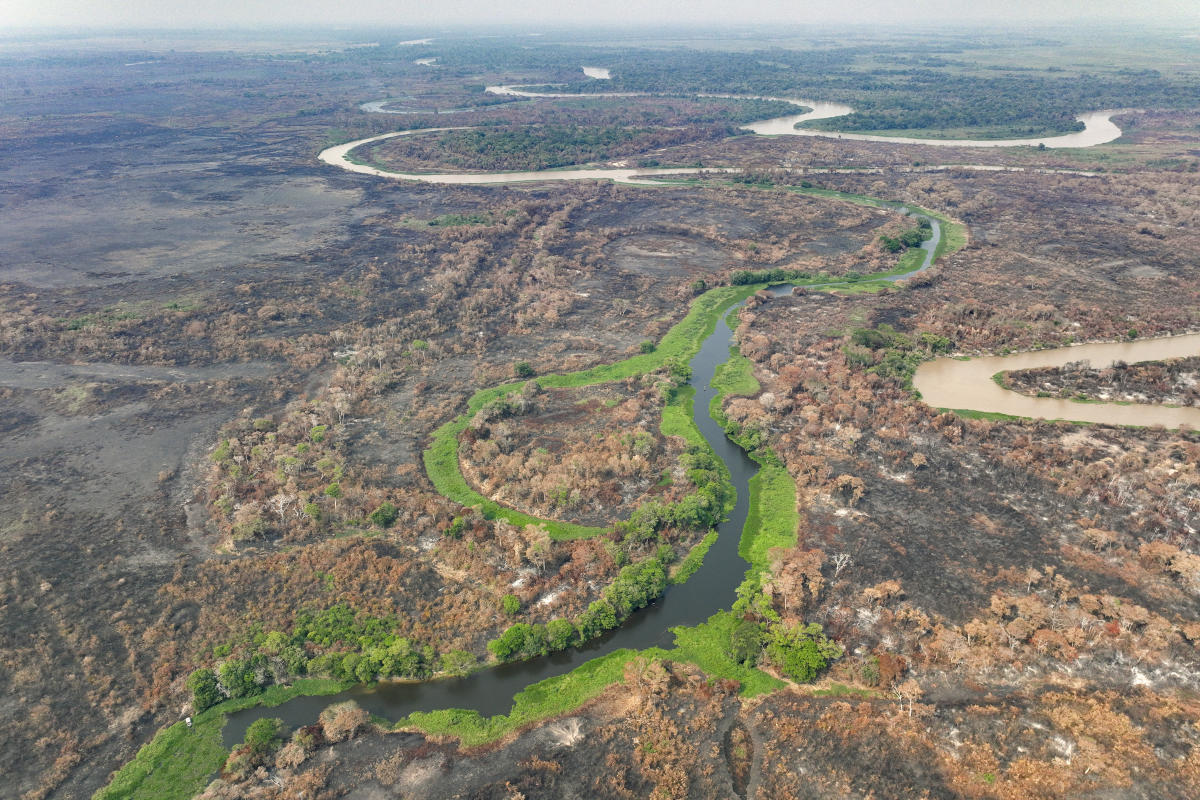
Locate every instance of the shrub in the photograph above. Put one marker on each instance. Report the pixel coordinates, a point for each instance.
(745, 642)
(263, 736)
(511, 604)
(341, 721)
(384, 516)
(458, 662)
(801, 652)
(206, 692)
(522, 369)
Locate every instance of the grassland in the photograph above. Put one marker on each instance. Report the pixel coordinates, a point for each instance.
(180, 761)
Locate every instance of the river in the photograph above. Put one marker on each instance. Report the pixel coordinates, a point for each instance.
(1098, 127)
(710, 589)
(950, 383)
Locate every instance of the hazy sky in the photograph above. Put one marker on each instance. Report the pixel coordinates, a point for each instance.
(275, 13)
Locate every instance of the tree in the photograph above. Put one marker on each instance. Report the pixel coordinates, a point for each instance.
(559, 634)
(745, 642)
(458, 662)
(238, 678)
(206, 692)
(511, 643)
(801, 652)
(384, 516)
(511, 604)
(522, 369)
(263, 736)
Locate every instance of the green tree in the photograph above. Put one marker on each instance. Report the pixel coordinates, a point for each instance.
(458, 662)
(746, 641)
(511, 604)
(801, 652)
(238, 678)
(263, 736)
(510, 643)
(384, 516)
(560, 634)
(523, 369)
(206, 692)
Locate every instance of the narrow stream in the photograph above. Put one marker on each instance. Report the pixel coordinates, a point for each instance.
(712, 588)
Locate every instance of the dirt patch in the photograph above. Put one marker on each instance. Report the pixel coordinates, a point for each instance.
(651, 254)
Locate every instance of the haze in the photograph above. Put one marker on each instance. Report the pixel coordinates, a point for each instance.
(17, 14)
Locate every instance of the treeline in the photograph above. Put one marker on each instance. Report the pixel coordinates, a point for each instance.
(912, 94)
(637, 585)
(335, 643)
(526, 147)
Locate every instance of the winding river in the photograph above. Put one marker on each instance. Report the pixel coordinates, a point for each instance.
(950, 383)
(711, 588)
(1098, 129)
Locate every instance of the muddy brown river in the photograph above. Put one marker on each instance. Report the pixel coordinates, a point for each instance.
(950, 383)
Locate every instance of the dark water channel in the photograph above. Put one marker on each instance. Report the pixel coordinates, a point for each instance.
(710, 589)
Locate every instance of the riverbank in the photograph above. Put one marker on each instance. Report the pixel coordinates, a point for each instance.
(697, 634)
(956, 384)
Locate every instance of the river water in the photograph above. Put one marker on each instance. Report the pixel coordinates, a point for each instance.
(490, 691)
(949, 383)
(710, 589)
(945, 382)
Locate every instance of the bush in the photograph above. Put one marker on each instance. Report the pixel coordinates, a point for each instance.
(458, 662)
(511, 604)
(646, 347)
(745, 642)
(801, 652)
(384, 516)
(342, 720)
(238, 678)
(206, 692)
(522, 369)
(263, 736)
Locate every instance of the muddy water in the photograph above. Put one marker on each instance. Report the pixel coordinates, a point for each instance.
(947, 383)
(1098, 129)
(1098, 125)
(339, 157)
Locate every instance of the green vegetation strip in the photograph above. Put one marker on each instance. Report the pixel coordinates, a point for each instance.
(679, 345)
(179, 762)
(704, 645)
(537, 701)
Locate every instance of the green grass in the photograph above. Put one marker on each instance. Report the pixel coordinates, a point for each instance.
(772, 519)
(705, 645)
(537, 701)
(179, 761)
(735, 377)
(693, 560)
(967, 413)
(680, 344)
